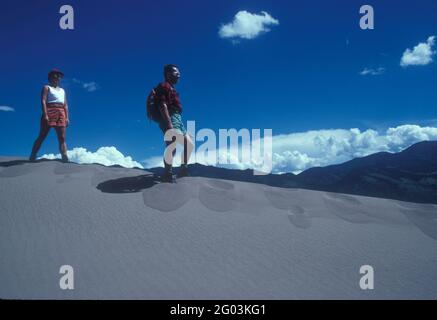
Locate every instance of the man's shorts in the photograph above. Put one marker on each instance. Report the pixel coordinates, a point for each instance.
(178, 124)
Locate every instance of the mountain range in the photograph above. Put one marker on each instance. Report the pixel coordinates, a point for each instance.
(410, 175)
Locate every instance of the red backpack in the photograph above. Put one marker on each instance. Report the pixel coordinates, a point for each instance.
(153, 112)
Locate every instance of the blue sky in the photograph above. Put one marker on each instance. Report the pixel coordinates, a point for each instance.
(303, 77)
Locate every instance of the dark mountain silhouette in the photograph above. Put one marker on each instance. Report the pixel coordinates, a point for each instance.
(410, 175)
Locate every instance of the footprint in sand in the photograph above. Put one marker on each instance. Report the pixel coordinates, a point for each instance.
(19, 170)
(101, 175)
(167, 197)
(219, 196)
(70, 171)
(346, 207)
(286, 200)
(298, 217)
(71, 168)
(67, 179)
(282, 200)
(64, 179)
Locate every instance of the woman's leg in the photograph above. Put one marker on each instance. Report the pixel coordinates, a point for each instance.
(61, 133)
(43, 131)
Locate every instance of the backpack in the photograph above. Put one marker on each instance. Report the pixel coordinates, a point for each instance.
(153, 112)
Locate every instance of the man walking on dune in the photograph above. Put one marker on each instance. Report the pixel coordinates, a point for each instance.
(164, 107)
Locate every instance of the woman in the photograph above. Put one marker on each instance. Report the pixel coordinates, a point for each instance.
(54, 114)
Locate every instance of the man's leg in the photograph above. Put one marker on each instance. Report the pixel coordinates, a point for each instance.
(175, 137)
(169, 153)
(61, 133)
(171, 139)
(188, 149)
(43, 131)
(185, 156)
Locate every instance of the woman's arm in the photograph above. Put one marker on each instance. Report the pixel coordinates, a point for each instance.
(44, 94)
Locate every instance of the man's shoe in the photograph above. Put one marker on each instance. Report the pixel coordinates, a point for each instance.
(168, 178)
(64, 158)
(183, 172)
(32, 158)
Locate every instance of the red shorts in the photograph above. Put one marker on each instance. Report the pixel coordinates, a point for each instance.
(57, 117)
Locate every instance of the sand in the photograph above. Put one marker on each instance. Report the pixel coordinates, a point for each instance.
(129, 237)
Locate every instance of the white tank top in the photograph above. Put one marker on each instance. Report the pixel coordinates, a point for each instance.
(55, 95)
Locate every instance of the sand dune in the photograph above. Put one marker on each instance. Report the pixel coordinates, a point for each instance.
(127, 236)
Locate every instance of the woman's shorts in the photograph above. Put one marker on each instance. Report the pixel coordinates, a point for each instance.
(57, 117)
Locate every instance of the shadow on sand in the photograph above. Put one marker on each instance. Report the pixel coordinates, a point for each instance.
(128, 184)
(12, 163)
(17, 168)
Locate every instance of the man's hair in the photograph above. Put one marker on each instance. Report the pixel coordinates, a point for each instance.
(169, 67)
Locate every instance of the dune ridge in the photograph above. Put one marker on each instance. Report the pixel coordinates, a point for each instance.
(127, 236)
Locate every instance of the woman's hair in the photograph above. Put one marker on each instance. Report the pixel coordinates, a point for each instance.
(53, 72)
(52, 75)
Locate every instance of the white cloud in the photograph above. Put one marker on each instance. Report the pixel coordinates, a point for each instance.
(296, 152)
(247, 25)
(88, 86)
(7, 109)
(156, 161)
(372, 72)
(420, 55)
(107, 156)
(299, 151)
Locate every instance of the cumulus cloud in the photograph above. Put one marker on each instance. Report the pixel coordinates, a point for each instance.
(88, 86)
(420, 55)
(7, 109)
(107, 156)
(247, 25)
(296, 152)
(372, 72)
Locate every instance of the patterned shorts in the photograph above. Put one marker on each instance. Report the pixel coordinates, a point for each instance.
(57, 117)
(178, 124)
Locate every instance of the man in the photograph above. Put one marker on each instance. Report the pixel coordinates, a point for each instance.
(54, 114)
(171, 124)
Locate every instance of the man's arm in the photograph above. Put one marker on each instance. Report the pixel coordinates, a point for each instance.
(163, 98)
(165, 115)
(44, 94)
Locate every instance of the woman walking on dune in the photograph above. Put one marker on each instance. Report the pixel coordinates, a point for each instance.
(54, 114)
